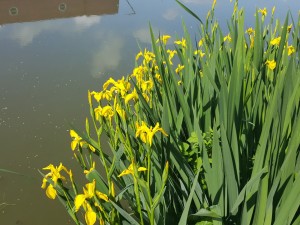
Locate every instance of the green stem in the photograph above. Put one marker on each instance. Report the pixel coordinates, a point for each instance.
(148, 186)
(137, 195)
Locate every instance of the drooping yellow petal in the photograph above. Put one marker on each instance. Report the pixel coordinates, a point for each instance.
(44, 183)
(102, 196)
(97, 95)
(138, 55)
(51, 192)
(74, 144)
(108, 82)
(90, 216)
(130, 96)
(140, 169)
(125, 172)
(79, 200)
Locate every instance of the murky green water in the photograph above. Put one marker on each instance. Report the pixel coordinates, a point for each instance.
(51, 53)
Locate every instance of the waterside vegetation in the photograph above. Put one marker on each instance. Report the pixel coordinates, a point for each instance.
(204, 131)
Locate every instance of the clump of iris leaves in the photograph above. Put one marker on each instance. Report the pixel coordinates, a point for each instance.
(231, 155)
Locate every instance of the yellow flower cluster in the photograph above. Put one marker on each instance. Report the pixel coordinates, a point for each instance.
(118, 109)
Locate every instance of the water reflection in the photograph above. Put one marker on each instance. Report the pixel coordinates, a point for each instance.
(24, 34)
(107, 56)
(35, 10)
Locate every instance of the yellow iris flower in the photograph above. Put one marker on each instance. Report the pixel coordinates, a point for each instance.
(263, 11)
(120, 86)
(199, 52)
(132, 95)
(271, 64)
(250, 31)
(291, 50)
(146, 134)
(77, 140)
(275, 41)
(129, 170)
(81, 200)
(97, 95)
(107, 112)
(164, 39)
(91, 169)
(54, 175)
(147, 85)
(182, 43)
(148, 57)
(227, 38)
(171, 55)
(179, 68)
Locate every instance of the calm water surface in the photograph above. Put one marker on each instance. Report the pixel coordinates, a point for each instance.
(51, 53)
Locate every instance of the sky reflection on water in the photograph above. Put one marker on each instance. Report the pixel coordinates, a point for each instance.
(47, 67)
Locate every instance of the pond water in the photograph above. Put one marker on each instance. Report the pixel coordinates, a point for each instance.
(51, 53)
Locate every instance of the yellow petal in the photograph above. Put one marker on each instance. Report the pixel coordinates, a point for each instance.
(102, 221)
(142, 169)
(79, 200)
(51, 192)
(90, 192)
(73, 134)
(50, 167)
(275, 41)
(92, 148)
(113, 193)
(90, 217)
(44, 183)
(74, 145)
(102, 196)
(90, 170)
(125, 172)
